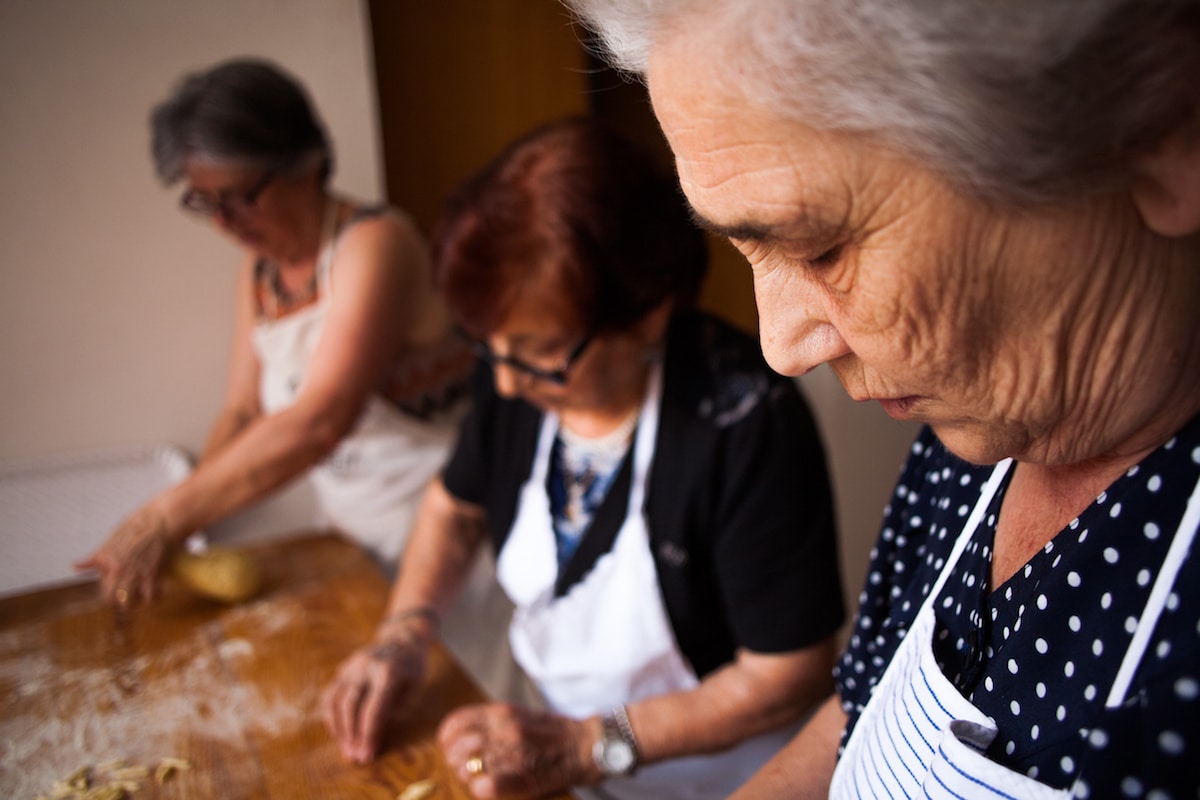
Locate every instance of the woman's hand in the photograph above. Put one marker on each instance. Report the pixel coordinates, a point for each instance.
(130, 562)
(369, 686)
(502, 750)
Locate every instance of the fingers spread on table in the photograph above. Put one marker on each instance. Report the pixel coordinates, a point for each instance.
(145, 588)
(372, 719)
(341, 702)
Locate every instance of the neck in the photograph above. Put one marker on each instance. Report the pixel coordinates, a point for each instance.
(1129, 371)
(623, 399)
(314, 224)
(1140, 353)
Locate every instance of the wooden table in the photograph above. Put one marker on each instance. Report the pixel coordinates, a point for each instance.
(233, 690)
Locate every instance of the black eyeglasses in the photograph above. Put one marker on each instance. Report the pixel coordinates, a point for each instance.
(557, 376)
(230, 203)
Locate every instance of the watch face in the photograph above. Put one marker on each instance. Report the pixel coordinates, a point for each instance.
(618, 756)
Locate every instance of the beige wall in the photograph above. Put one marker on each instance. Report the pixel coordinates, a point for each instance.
(116, 308)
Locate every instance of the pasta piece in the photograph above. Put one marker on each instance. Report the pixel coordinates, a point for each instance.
(130, 773)
(62, 790)
(417, 791)
(113, 791)
(168, 766)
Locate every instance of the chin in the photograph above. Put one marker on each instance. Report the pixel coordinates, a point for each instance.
(975, 442)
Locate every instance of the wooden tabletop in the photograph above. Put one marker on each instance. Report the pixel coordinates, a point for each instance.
(233, 691)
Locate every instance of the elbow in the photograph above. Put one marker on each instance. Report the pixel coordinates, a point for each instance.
(324, 429)
(806, 685)
(808, 692)
(324, 436)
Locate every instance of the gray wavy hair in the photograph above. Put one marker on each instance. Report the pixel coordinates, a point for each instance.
(1017, 100)
(247, 112)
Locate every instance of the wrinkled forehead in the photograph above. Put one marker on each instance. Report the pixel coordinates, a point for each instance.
(750, 171)
(716, 130)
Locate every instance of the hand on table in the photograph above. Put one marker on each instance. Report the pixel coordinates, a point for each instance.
(368, 687)
(130, 562)
(502, 750)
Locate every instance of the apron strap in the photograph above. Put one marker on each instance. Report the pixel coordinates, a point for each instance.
(985, 499)
(1185, 534)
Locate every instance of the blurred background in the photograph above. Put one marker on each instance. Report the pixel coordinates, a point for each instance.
(116, 308)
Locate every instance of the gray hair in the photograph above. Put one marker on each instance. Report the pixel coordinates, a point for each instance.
(1026, 102)
(245, 112)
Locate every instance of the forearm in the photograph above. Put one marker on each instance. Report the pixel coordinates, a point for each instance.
(438, 556)
(804, 768)
(229, 424)
(265, 455)
(755, 694)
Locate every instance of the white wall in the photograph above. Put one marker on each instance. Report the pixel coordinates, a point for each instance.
(115, 307)
(865, 449)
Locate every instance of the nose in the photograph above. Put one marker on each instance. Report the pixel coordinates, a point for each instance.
(797, 335)
(508, 380)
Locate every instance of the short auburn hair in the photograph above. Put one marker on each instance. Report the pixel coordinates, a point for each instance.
(575, 206)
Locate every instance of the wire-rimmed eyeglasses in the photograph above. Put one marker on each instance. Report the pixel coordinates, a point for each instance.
(557, 376)
(230, 203)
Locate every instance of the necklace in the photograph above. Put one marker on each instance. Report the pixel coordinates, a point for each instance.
(284, 298)
(588, 465)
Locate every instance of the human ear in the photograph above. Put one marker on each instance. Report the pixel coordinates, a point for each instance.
(1166, 189)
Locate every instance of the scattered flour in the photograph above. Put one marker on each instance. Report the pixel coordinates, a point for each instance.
(154, 705)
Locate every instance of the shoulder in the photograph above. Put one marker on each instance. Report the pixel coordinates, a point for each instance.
(933, 496)
(381, 228)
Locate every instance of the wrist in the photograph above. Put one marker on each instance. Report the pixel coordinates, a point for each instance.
(616, 752)
(418, 623)
(166, 522)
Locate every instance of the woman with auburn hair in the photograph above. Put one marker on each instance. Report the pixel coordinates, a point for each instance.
(656, 497)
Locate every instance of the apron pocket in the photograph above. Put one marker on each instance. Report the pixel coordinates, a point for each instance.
(959, 769)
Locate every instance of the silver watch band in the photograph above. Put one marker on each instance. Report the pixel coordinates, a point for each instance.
(621, 718)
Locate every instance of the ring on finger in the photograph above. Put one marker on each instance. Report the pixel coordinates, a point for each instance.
(475, 765)
(122, 596)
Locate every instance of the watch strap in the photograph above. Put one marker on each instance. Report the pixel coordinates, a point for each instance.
(620, 717)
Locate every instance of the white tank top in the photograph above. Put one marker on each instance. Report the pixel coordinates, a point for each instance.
(370, 485)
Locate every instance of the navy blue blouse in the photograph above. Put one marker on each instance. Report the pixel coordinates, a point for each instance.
(1040, 653)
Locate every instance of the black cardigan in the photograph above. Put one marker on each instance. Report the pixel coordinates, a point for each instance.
(738, 504)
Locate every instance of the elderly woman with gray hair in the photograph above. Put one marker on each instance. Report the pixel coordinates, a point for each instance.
(344, 367)
(984, 216)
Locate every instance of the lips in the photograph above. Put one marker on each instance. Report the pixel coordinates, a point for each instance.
(898, 408)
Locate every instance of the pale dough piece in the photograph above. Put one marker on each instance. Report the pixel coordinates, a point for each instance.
(168, 766)
(417, 791)
(224, 574)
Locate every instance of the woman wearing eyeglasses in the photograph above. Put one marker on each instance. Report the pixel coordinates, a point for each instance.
(345, 365)
(656, 496)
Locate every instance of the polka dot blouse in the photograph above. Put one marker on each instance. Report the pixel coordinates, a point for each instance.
(1040, 653)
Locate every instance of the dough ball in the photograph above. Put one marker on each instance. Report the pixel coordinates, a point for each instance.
(230, 576)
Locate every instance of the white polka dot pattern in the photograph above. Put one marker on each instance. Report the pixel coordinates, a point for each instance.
(1039, 654)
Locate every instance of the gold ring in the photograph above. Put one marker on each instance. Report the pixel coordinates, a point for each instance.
(122, 596)
(475, 765)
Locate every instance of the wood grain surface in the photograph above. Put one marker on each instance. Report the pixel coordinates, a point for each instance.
(234, 690)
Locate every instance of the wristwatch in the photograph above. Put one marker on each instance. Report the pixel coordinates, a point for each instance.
(616, 751)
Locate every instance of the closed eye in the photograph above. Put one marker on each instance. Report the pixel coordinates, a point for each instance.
(828, 258)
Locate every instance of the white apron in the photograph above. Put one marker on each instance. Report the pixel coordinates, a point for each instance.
(919, 737)
(369, 487)
(608, 641)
